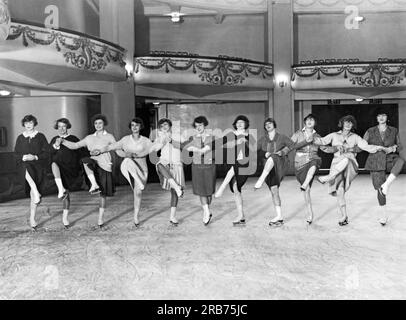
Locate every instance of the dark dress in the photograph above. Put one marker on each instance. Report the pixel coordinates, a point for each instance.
(203, 167)
(37, 146)
(240, 159)
(281, 163)
(379, 163)
(68, 161)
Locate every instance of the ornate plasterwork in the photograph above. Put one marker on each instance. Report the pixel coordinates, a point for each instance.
(382, 73)
(80, 51)
(214, 71)
(5, 20)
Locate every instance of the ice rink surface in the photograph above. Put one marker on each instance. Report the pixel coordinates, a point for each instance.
(362, 260)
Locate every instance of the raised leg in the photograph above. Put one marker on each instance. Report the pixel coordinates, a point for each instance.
(174, 185)
(397, 168)
(90, 174)
(58, 181)
(128, 167)
(267, 169)
(309, 177)
(334, 171)
(229, 176)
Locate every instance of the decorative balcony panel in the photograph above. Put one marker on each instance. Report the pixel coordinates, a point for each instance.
(190, 69)
(39, 55)
(330, 74)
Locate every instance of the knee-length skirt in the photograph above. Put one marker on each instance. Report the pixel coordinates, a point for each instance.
(104, 178)
(133, 169)
(301, 172)
(37, 172)
(344, 178)
(176, 172)
(278, 171)
(204, 179)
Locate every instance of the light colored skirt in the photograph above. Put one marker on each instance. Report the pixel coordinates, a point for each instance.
(175, 170)
(344, 178)
(136, 173)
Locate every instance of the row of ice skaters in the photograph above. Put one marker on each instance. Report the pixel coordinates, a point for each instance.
(67, 157)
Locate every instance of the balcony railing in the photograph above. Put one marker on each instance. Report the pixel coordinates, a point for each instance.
(185, 68)
(349, 73)
(31, 49)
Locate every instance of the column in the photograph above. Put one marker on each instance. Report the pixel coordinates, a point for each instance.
(117, 26)
(282, 47)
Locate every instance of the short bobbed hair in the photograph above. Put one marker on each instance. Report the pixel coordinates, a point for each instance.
(348, 118)
(63, 120)
(99, 117)
(310, 116)
(271, 120)
(243, 118)
(163, 120)
(136, 120)
(29, 118)
(200, 119)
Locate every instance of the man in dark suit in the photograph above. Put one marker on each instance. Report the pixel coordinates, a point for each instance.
(386, 161)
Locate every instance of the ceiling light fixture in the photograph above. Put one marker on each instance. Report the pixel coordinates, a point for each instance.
(176, 16)
(359, 99)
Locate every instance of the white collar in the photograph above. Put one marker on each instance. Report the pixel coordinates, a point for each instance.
(202, 135)
(104, 133)
(240, 134)
(31, 135)
(341, 132)
(304, 130)
(64, 136)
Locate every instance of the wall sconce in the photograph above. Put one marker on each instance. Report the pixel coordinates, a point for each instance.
(282, 80)
(129, 71)
(4, 93)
